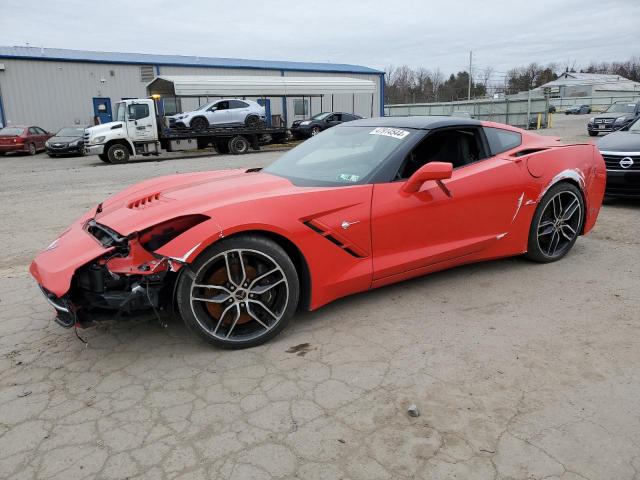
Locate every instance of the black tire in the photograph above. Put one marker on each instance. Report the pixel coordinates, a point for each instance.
(32, 149)
(315, 131)
(252, 121)
(556, 224)
(118, 153)
(230, 321)
(238, 145)
(199, 123)
(104, 157)
(221, 146)
(2, 154)
(592, 133)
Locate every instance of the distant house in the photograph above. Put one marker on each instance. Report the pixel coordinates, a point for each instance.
(573, 84)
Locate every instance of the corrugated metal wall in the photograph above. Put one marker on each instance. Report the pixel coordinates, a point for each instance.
(52, 94)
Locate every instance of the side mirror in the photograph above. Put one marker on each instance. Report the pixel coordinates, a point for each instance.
(431, 171)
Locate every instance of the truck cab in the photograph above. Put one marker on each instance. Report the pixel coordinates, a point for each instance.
(134, 131)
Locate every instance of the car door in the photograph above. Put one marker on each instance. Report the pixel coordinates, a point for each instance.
(141, 123)
(219, 113)
(44, 136)
(35, 138)
(472, 212)
(239, 110)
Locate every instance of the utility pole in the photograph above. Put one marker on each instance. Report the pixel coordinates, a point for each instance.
(469, 91)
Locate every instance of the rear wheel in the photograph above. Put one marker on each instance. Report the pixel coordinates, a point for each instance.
(238, 145)
(252, 121)
(556, 224)
(32, 149)
(199, 123)
(221, 146)
(593, 134)
(118, 153)
(239, 293)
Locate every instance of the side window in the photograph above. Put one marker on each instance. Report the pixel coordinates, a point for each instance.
(458, 146)
(501, 140)
(222, 105)
(237, 104)
(33, 131)
(338, 117)
(138, 111)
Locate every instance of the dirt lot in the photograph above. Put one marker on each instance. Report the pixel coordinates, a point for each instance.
(519, 370)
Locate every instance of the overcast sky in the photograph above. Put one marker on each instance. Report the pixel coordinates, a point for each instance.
(375, 33)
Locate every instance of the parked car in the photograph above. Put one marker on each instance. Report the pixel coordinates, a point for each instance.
(617, 116)
(578, 110)
(228, 111)
(238, 252)
(621, 153)
(316, 124)
(29, 140)
(68, 140)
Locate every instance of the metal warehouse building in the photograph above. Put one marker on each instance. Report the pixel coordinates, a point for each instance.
(55, 87)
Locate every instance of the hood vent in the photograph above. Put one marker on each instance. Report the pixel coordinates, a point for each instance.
(337, 240)
(146, 201)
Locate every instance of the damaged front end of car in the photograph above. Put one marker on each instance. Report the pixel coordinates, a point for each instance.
(128, 278)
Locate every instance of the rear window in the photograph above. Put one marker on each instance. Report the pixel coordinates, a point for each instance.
(501, 140)
(11, 131)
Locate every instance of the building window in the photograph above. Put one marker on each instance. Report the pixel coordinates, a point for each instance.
(171, 106)
(300, 107)
(146, 73)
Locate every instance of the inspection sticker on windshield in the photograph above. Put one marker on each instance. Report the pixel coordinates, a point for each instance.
(389, 132)
(345, 177)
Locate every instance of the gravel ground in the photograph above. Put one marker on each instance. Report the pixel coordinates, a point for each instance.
(519, 370)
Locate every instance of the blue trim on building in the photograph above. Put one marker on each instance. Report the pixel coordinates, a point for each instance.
(157, 70)
(382, 94)
(64, 55)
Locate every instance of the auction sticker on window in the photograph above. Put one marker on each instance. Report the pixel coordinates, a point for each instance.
(390, 132)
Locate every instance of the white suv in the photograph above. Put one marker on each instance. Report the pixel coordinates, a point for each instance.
(227, 111)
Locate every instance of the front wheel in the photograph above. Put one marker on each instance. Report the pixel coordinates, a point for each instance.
(104, 157)
(315, 131)
(556, 224)
(118, 153)
(199, 124)
(239, 293)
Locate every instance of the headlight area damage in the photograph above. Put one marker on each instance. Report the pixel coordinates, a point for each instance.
(129, 276)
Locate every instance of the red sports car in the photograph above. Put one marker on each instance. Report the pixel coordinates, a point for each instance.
(359, 206)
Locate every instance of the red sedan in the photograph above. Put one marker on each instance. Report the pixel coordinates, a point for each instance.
(359, 206)
(29, 140)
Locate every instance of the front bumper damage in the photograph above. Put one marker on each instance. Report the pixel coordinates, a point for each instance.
(91, 272)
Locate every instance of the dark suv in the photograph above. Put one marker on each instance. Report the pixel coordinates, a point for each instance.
(617, 116)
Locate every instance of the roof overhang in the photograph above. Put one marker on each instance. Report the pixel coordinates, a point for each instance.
(256, 86)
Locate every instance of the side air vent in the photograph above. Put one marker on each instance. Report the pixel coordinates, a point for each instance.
(144, 201)
(349, 248)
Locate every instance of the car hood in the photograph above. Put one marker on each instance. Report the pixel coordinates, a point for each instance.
(65, 139)
(613, 115)
(620, 142)
(151, 202)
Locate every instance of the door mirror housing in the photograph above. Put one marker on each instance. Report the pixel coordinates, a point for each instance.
(430, 171)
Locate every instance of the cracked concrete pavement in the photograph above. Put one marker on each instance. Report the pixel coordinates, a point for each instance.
(519, 370)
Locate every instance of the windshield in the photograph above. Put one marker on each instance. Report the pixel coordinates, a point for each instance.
(635, 127)
(70, 132)
(11, 131)
(321, 116)
(340, 156)
(621, 108)
(120, 112)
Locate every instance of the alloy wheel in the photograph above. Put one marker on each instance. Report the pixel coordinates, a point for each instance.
(239, 295)
(559, 224)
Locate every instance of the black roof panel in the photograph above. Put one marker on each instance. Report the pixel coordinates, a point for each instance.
(418, 122)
